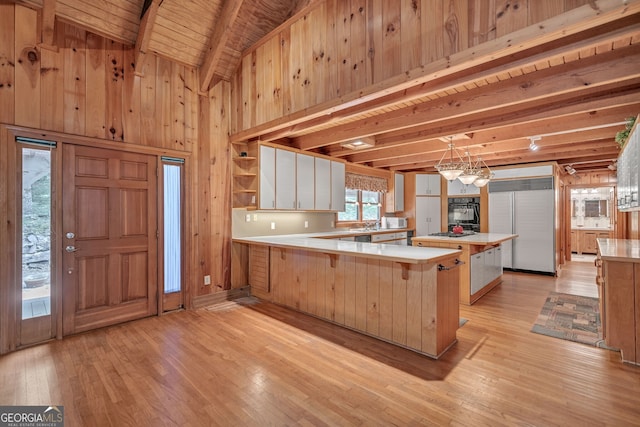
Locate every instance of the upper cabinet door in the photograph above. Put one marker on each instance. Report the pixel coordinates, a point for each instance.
(337, 186)
(267, 195)
(457, 188)
(399, 192)
(305, 182)
(427, 184)
(285, 179)
(394, 199)
(323, 184)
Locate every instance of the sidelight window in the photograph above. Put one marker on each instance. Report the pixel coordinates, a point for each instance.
(36, 231)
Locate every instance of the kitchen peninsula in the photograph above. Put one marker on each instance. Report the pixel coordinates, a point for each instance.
(482, 257)
(398, 294)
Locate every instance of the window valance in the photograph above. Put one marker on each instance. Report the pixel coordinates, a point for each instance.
(366, 183)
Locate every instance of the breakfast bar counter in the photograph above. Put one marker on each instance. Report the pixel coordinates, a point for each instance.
(404, 295)
(482, 257)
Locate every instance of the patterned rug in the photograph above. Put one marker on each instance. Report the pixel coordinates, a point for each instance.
(571, 317)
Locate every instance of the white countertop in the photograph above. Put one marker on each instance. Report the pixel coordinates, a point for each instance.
(473, 239)
(619, 250)
(311, 242)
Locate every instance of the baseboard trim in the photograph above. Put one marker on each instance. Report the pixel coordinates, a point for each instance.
(218, 297)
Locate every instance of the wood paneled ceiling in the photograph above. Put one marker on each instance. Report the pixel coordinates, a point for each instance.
(574, 93)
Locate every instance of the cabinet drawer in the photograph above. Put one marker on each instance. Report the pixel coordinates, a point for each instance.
(375, 238)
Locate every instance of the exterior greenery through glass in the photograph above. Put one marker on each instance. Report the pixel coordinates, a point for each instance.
(361, 206)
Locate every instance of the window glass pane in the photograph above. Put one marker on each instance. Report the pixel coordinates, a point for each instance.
(370, 205)
(351, 195)
(36, 233)
(351, 206)
(172, 242)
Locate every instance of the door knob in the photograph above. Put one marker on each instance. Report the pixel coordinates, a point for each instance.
(70, 249)
(70, 235)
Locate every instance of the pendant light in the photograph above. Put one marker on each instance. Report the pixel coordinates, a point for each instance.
(484, 175)
(470, 173)
(453, 168)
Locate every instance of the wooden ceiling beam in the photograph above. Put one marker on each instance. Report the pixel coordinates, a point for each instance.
(521, 158)
(144, 34)
(222, 30)
(596, 71)
(624, 102)
(599, 110)
(489, 140)
(467, 77)
(584, 19)
(555, 143)
(501, 150)
(47, 24)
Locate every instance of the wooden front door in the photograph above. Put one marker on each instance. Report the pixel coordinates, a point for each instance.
(109, 237)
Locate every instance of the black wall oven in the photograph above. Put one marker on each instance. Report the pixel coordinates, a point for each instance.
(464, 211)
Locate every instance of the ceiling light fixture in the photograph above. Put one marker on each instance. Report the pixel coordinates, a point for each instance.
(570, 170)
(454, 167)
(484, 176)
(360, 143)
(532, 145)
(471, 172)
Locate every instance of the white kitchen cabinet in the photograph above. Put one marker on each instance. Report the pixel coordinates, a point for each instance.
(267, 191)
(427, 184)
(427, 215)
(395, 195)
(628, 172)
(322, 184)
(523, 172)
(305, 182)
(291, 180)
(486, 267)
(457, 188)
(337, 186)
(285, 179)
(489, 271)
(477, 272)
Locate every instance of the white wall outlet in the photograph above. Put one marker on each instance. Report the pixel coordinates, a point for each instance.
(207, 280)
(255, 217)
(247, 218)
(306, 224)
(273, 225)
(332, 224)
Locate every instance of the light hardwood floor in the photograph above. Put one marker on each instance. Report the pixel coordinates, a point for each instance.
(266, 365)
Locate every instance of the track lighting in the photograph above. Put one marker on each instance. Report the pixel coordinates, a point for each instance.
(532, 145)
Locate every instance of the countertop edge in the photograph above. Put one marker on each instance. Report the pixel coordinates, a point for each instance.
(442, 253)
(463, 239)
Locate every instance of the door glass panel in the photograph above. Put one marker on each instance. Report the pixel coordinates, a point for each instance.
(36, 233)
(172, 226)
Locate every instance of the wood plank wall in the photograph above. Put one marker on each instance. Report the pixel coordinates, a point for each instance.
(343, 46)
(88, 88)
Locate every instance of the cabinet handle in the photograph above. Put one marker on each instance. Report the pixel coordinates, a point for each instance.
(456, 264)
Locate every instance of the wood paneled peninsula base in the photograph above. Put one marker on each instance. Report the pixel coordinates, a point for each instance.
(400, 294)
(482, 256)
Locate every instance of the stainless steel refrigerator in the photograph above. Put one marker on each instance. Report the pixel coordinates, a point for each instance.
(525, 207)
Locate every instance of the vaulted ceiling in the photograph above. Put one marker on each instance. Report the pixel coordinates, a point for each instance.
(570, 96)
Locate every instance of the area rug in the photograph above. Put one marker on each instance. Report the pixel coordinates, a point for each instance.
(571, 317)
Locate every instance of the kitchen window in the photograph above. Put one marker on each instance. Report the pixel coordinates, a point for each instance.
(361, 205)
